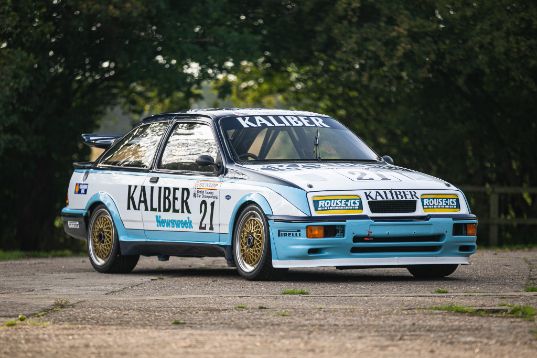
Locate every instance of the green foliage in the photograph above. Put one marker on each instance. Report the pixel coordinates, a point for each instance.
(441, 290)
(445, 87)
(63, 63)
(17, 254)
(530, 289)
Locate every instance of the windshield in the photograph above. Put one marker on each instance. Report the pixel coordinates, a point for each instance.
(292, 138)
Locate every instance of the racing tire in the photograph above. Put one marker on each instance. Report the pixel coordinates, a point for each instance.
(251, 246)
(431, 271)
(103, 244)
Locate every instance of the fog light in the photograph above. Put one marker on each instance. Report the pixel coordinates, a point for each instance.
(315, 232)
(471, 229)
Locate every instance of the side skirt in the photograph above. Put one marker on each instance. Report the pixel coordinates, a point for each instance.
(172, 249)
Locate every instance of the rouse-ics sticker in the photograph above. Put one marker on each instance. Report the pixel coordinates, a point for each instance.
(337, 204)
(440, 203)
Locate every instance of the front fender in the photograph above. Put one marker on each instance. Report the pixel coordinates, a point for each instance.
(255, 198)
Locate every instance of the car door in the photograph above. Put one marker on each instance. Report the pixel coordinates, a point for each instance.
(183, 196)
(122, 171)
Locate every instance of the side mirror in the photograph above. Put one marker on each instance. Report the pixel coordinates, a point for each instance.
(387, 159)
(205, 160)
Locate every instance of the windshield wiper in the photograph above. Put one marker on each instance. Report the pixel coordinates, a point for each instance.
(316, 152)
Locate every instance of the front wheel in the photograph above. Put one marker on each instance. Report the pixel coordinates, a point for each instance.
(103, 244)
(432, 271)
(251, 246)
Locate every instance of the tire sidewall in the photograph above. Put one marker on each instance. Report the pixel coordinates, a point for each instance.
(266, 258)
(107, 266)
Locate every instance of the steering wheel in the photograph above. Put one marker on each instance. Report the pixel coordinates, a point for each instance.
(248, 155)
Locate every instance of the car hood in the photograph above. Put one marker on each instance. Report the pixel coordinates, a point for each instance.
(313, 177)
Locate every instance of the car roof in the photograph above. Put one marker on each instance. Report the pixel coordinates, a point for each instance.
(217, 113)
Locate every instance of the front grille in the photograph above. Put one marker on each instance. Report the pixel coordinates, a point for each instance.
(396, 239)
(392, 206)
(366, 250)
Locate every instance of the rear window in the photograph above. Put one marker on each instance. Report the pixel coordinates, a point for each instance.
(136, 149)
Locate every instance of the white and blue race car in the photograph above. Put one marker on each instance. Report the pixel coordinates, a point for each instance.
(268, 190)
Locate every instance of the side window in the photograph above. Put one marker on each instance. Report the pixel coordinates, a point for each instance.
(137, 149)
(186, 143)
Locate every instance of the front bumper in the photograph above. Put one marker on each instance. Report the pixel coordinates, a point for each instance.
(395, 242)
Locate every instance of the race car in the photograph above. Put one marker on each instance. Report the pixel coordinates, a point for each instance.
(268, 190)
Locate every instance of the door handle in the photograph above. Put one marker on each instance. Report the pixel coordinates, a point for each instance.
(153, 180)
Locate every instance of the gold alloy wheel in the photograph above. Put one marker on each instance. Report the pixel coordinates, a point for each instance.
(102, 237)
(251, 242)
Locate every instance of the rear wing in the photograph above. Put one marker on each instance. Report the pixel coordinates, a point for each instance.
(102, 141)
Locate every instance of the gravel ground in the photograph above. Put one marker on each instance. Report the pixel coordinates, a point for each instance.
(74, 311)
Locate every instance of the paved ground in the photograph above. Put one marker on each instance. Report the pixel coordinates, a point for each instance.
(74, 311)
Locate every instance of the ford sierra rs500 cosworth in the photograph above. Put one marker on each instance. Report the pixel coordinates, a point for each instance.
(268, 190)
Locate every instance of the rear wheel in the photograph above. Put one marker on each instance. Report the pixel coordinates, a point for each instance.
(251, 246)
(432, 271)
(103, 244)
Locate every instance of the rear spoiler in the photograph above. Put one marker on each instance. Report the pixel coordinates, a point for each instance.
(102, 141)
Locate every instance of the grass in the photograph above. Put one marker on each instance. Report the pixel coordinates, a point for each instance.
(282, 313)
(178, 322)
(531, 289)
(241, 307)
(18, 255)
(22, 319)
(441, 290)
(522, 311)
(517, 311)
(455, 308)
(295, 291)
(61, 303)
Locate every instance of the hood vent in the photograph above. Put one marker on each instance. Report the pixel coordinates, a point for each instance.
(392, 206)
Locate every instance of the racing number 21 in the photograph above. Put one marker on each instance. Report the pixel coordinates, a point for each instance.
(203, 213)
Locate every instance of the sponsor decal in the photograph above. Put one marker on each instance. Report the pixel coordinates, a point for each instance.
(338, 204)
(73, 224)
(207, 185)
(304, 166)
(81, 188)
(391, 195)
(289, 233)
(206, 189)
(438, 203)
(157, 198)
(173, 223)
(228, 197)
(282, 121)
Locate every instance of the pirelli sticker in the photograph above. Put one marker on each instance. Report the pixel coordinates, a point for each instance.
(337, 204)
(440, 203)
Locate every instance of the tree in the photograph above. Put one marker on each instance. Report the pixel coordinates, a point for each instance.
(447, 87)
(62, 63)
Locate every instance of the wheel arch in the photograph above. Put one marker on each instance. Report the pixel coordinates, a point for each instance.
(102, 198)
(246, 200)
